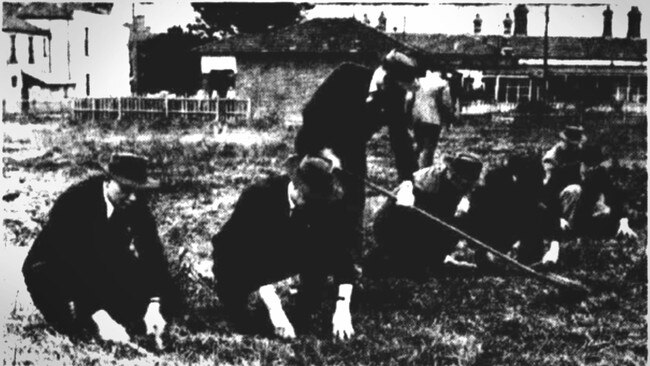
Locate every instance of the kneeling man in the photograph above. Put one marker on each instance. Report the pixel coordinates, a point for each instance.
(594, 206)
(283, 226)
(411, 243)
(98, 264)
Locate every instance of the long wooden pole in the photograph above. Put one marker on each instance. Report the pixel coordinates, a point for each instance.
(550, 278)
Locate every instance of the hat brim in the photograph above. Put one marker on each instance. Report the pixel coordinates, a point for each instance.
(564, 137)
(148, 184)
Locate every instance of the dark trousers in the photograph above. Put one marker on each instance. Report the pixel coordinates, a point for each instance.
(55, 301)
(50, 288)
(353, 182)
(501, 227)
(408, 243)
(426, 139)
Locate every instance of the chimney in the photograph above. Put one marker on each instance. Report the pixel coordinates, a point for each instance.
(138, 21)
(507, 25)
(381, 22)
(477, 24)
(607, 22)
(634, 23)
(521, 20)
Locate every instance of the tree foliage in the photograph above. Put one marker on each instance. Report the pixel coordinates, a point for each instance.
(166, 62)
(222, 19)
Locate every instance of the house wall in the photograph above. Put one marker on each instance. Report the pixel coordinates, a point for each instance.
(59, 28)
(12, 94)
(107, 62)
(280, 87)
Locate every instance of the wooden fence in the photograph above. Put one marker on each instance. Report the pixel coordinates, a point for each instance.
(231, 111)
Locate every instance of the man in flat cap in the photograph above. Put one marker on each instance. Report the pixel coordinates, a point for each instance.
(562, 163)
(98, 267)
(412, 243)
(281, 227)
(342, 115)
(593, 207)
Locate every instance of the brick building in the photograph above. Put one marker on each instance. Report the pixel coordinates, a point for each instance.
(279, 70)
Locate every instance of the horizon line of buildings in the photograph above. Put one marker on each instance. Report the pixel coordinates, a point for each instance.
(67, 50)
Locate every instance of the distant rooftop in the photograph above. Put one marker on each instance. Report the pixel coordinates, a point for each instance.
(42, 10)
(12, 24)
(320, 35)
(529, 47)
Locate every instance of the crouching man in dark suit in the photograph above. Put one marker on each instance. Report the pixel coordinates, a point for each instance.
(98, 266)
(283, 226)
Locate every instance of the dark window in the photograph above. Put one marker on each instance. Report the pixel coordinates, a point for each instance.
(87, 85)
(44, 47)
(30, 49)
(12, 58)
(14, 81)
(86, 43)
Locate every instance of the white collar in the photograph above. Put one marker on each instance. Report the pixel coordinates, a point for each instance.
(377, 79)
(292, 205)
(109, 206)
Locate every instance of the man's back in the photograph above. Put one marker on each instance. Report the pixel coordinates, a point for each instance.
(335, 115)
(74, 215)
(265, 240)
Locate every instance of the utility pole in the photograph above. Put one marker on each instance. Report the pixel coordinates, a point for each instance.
(544, 90)
(134, 39)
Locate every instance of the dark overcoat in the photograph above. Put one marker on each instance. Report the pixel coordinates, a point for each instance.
(114, 264)
(264, 242)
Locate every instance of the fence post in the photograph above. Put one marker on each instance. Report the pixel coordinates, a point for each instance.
(248, 110)
(216, 109)
(119, 108)
(166, 107)
(92, 109)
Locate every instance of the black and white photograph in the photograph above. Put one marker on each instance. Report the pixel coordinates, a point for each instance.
(448, 182)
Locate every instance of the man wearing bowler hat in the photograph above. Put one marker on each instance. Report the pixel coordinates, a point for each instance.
(284, 226)
(98, 267)
(341, 117)
(413, 244)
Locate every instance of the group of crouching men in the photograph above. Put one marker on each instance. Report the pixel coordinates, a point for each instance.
(98, 268)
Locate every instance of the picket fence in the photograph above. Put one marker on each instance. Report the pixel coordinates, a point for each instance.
(233, 111)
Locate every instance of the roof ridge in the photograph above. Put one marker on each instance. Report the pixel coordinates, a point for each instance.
(524, 37)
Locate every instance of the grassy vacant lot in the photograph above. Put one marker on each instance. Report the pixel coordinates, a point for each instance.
(458, 318)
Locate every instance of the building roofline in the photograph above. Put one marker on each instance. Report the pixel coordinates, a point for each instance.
(11, 24)
(208, 48)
